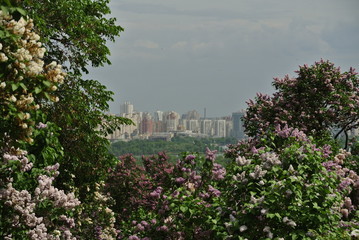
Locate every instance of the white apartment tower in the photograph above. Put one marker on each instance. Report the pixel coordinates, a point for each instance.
(220, 128)
(158, 116)
(126, 108)
(206, 127)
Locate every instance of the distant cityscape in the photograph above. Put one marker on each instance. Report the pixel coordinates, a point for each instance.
(167, 124)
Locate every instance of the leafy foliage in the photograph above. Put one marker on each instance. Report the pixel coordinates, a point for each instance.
(75, 32)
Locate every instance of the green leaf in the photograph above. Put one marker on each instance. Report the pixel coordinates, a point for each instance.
(191, 211)
(183, 208)
(47, 83)
(23, 86)
(37, 90)
(294, 236)
(21, 11)
(47, 95)
(14, 86)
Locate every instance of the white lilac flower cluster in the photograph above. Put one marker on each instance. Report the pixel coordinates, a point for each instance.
(59, 198)
(24, 206)
(22, 55)
(289, 222)
(270, 159)
(19, 156)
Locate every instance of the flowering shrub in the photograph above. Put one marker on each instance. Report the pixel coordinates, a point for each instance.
(31, 207)
(319, 99)
(281, 187)
(163, 200)
(129, 186)
(24, 81)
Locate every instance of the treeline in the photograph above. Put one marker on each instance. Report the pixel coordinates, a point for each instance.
(176, 146)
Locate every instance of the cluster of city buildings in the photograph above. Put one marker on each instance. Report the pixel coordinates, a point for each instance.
(165, 125)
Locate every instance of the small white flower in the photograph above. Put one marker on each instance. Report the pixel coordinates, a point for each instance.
(291, 223)
(243, 228)
(266, 229)
(2, 85)
(12, 98)
(355, 233)
(27, 116)
(291, 168)
(52, 64)
(264, 211)
(3, 57)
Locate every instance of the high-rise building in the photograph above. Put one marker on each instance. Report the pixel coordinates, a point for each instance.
(206, 127)
(158, 116)
(220, 128)
(146, 125)
(126, 108)
(238, 129)
(171, 120)
(193, 125)
(229, 127)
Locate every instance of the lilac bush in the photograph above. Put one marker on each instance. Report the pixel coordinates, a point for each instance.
(321, 98)
(168, 201)
(284, 186)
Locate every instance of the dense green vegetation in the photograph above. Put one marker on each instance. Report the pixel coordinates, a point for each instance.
(174, 147)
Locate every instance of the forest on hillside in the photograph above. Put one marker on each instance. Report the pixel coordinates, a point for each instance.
(175, 146)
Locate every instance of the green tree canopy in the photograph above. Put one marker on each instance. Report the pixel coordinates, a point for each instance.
(75, 32)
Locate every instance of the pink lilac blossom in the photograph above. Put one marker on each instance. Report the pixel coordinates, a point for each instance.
(156, 193)
(41, 125)
(218, 172)
(210, 155)
(213, 191)
(180, 180)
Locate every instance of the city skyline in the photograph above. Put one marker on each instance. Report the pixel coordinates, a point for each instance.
(219, 54)
(166, 124)
(202, 112)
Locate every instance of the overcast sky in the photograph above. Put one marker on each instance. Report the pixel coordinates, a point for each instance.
(193, 54)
